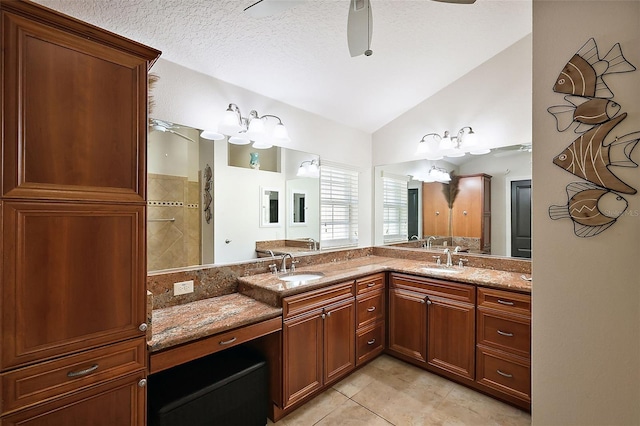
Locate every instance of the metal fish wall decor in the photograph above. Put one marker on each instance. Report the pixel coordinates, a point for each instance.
(596, 204)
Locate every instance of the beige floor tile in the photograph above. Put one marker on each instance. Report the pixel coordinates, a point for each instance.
(355, 382)
(352, 414)
(315, 410)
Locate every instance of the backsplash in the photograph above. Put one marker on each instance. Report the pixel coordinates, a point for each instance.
(220, 280)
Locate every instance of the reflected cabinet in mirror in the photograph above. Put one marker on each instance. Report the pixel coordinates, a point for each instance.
(484, 209)
(254, 196)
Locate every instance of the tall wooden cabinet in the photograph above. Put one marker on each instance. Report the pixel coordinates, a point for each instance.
(471, 212)
(435, 210)
(72, 287)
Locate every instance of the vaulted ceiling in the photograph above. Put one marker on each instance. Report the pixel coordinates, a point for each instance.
(300, 56)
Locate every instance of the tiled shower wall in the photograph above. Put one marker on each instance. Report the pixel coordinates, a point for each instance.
(173, 222)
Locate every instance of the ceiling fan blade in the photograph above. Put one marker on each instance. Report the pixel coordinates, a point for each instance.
(262, 8)
(359, 27)
(457, 1)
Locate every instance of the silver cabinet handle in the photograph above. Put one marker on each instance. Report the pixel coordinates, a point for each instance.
(371, 342)
(228, 342)
(504, 374)
(504, 333)
(323, 316)
(329, 313)
(371, 284)
(143, 326)
(505, 302)
(142, 383)
(80, 373)
(428, 300)
(371, 309)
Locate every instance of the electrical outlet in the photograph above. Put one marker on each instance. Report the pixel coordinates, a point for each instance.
(183, 287)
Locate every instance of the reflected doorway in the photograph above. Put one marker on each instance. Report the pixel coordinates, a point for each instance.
(521, 218)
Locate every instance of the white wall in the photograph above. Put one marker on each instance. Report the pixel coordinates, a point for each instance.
(494, 99)
(193, 99)
(586, 291)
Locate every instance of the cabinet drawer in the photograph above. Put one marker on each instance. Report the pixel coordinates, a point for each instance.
(370, 342)
(506, 332)
(370, 283)
(168, 358)
(434, 287)
(507, 301)
(300, 303)
(370, 308)
(508, 374)
(44, 381)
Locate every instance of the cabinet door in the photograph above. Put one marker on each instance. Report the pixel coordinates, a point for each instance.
(339, 340)
(302, 342)
(467, 213)
(73, 278)
(118, 402)
(408, 324)
(451, 344)
(74, 109)
(435, 211)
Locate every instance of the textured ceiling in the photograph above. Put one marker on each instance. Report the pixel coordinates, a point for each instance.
(300, 56)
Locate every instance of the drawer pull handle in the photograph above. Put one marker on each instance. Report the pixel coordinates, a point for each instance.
(228, 342)
(371, 342)
(504, 374)
(371, 309)
(371, 284)
(505, 302)
(80, 373)
(504, 333)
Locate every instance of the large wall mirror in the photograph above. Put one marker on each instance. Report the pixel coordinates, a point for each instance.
(509, 168)
(272, 202)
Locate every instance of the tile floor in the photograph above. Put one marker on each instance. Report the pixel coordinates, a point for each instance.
(388, 391)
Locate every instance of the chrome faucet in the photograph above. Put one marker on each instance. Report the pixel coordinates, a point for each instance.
(283, 266)
(449, 263)
(431, 238)
(457, 249)
(313, 244)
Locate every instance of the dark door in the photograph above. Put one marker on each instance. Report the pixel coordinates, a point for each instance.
(413, 213)
(521, 218)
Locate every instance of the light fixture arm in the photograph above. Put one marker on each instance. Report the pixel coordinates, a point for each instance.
(435, 135)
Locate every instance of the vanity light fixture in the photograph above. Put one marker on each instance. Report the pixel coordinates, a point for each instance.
(254, 128)
(309, 169)
(432, 146)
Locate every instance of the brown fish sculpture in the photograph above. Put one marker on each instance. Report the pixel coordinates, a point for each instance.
(582, 75)
(585, 112)
(589, 158)
(591, 208)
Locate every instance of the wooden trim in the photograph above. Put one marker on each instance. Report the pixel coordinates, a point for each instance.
(305, 302)
(171, 357)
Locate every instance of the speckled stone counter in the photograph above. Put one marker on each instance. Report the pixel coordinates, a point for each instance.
(269, 289)
(191, 321)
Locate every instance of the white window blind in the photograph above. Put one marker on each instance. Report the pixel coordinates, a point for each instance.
(395, 204)
(338, 206)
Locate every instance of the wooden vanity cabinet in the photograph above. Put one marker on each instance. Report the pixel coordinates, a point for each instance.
(432, 322)
(73, 200)
(504, 345)
(318, 340)
(370, 317)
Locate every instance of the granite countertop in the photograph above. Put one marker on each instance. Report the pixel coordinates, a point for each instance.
(191, 321)
(269, 288)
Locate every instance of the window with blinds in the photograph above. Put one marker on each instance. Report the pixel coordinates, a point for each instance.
(395, 205)
(338, 206)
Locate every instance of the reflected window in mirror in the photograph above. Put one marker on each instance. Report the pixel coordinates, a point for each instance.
(395, 207)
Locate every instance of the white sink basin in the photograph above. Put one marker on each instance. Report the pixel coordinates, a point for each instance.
(442, 270)
(300, 276)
